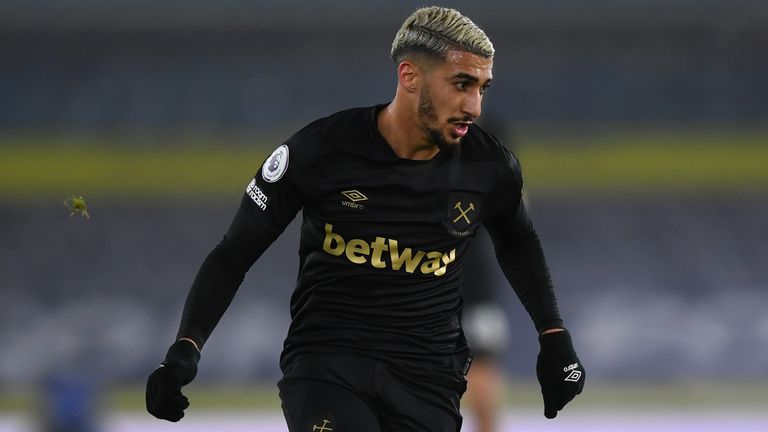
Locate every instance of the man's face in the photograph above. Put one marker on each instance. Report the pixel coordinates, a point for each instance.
(451, 96)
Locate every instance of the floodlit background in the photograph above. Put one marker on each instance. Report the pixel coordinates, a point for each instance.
(642, 126)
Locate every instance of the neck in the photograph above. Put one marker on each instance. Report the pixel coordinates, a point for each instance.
(398, 124)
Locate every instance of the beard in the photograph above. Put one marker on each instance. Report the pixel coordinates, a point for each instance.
(428, 116)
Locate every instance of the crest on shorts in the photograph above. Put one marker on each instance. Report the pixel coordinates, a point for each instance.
(276, 165)
(325, 426)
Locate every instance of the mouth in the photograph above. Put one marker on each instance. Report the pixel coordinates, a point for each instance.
(460, 129)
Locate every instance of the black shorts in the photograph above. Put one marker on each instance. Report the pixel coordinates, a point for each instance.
(348, 393)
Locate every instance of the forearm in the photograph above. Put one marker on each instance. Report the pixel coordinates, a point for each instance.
(252, 230)
(523, 263)
(212, 291)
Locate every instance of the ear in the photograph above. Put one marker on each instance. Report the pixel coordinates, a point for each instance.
(409, 76)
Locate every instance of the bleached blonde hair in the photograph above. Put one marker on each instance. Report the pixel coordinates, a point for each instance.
(434, 30)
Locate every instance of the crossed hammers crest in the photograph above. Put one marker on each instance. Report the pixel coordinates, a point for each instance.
(463, 212)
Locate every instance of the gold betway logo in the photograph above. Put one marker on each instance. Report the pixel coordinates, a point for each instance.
(360, 252)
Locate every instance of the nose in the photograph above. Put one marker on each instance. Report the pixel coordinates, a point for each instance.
(473, 104)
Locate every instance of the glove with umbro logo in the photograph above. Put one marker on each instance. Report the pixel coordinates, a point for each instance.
(559, 370)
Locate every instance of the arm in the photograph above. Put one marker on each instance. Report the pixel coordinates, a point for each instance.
(223, 270)
(521, 257)
(270, 203)
(519, 252)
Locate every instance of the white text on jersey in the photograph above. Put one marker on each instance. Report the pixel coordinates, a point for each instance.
(257, 195)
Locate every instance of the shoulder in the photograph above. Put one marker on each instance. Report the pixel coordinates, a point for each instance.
(497, 166)
(323, 135)
(328, 129)
(482, 146)
(300, 155)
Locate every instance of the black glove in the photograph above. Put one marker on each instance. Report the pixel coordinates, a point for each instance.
(164, 398)
(561, 374)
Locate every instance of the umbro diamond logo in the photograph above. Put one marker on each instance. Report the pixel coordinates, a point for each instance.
(574, 376)
(354, 196)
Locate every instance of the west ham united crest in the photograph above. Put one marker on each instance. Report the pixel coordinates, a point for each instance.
(463, 213)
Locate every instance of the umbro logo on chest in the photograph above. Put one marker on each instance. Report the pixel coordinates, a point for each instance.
(353, 199)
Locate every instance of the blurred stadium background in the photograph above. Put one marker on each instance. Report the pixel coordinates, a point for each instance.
(641, 125)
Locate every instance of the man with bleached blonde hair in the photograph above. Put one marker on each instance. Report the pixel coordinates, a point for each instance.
(435, 31)
(391, 196)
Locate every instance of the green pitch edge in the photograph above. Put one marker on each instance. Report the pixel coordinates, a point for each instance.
(648, 167)
(621, 164)
(43, 172)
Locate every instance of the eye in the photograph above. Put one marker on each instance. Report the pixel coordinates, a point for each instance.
(462, 85)
(484, 88)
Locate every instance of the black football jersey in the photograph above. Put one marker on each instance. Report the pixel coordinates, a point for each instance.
(382, 243)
